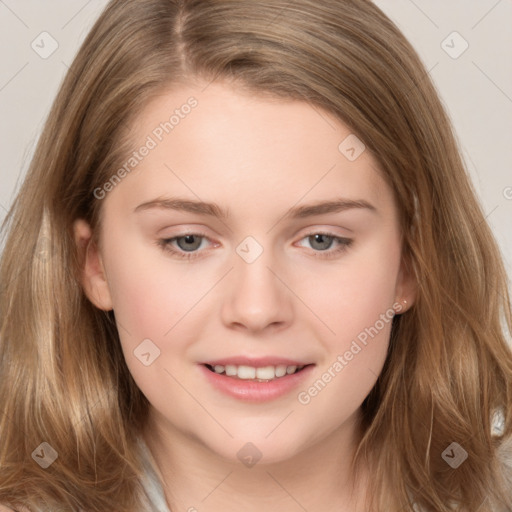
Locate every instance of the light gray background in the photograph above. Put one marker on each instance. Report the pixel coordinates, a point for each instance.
(476, 87)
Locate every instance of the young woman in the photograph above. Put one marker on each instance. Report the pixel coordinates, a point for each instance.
(247, 270)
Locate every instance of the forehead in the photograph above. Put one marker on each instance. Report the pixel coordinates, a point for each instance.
(245, 151)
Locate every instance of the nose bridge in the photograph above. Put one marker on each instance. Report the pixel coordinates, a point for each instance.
(257, 297)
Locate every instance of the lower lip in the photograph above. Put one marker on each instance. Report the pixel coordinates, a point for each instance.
(253, 391)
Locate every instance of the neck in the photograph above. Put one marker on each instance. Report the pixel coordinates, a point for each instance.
(197, 479)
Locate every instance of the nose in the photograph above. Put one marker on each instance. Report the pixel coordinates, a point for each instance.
(257, 298)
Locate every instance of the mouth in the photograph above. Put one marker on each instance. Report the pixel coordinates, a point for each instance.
(267, 373)
(256, 379)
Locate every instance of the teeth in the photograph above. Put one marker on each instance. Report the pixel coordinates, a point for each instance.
(246, 372)
(250, 373)
(231, 370)
(290, 369)
(280, 371)
(267, 372)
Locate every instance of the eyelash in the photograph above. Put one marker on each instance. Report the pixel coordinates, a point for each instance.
(344, 244)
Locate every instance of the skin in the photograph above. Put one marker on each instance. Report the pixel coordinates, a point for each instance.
(257, 157)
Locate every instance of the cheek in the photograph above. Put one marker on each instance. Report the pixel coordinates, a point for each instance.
(150, 300)
(352, 295)
(361, 317)
(143, 301)
(356, 303)
(149, 293)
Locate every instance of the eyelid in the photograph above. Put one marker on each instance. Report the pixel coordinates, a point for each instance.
(314, 230)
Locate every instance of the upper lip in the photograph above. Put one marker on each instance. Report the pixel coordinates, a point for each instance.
(257, 362)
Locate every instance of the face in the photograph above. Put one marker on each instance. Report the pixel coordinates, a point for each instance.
(251, 239)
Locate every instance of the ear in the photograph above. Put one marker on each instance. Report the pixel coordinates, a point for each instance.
(92, 272)
(406, 286)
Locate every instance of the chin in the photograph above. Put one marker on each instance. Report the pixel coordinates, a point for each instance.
(251, 447)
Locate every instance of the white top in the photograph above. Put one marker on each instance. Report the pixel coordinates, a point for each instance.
(151, 482)
(155, 497)
(157, 502)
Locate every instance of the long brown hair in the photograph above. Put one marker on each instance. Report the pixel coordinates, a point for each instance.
(64, 380)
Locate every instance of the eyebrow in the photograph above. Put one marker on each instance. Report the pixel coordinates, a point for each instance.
(214, 210)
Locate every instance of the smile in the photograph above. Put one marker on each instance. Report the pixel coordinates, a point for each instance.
(256, 380)
(261, 374)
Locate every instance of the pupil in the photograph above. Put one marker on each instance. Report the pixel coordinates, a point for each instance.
(189, 242)
(322, 239)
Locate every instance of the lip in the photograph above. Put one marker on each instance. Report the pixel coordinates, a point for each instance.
(257, 362)
(253, 391)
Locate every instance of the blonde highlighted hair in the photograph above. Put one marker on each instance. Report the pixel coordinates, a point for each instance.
(64, 379)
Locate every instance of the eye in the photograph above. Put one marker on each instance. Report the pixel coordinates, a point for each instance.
(187, 245)
(322, 243)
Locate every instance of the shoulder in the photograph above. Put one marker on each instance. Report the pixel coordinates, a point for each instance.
(5, 509)
(504, 454)
(504, 464)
